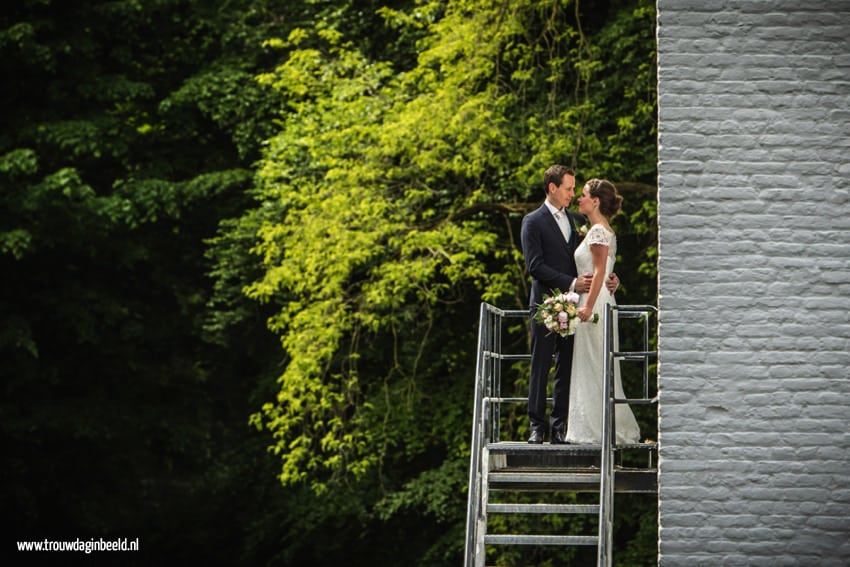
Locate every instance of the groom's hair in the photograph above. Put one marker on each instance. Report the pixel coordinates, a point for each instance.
(555, 174)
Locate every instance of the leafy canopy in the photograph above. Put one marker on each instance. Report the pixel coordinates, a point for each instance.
(388, 199)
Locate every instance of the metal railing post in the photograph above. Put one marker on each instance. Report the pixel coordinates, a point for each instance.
(474, 491)
(606, 488)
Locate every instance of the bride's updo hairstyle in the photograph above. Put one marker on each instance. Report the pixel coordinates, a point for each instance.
(609, 199)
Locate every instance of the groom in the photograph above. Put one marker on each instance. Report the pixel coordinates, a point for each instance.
(549, 240)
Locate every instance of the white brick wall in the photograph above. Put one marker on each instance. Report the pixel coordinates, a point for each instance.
(754, 278)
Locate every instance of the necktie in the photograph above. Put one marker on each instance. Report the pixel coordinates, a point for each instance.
(563, 224)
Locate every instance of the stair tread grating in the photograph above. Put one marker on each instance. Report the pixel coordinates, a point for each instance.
(547, 476)
(543, 508)
(531, 539)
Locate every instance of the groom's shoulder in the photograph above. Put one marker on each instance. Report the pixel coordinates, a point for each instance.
(536, 212)
(532, 219)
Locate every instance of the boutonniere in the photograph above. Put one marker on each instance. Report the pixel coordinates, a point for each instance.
(582, 230)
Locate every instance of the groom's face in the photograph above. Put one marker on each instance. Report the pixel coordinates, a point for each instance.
(562, 195)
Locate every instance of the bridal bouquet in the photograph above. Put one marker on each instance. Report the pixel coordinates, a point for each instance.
(559, 313)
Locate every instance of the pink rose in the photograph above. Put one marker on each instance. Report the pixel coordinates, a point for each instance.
(563, 319)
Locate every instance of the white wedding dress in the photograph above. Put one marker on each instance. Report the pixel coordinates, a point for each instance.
(585, 416)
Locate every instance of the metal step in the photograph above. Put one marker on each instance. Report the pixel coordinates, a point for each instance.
(532, 480)
(522, 455)
(514, 454)
(543, 480)
(543, 508)
(524, 539)
(523, 448)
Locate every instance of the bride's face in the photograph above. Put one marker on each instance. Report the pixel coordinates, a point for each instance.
(585, 201)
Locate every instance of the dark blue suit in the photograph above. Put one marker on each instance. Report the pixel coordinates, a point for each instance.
(551, 264)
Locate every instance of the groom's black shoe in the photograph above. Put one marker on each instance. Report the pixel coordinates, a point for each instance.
(536, 437)
(559, 437)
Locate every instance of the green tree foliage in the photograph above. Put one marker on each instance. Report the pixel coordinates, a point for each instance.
(389, 205)
(127, 133)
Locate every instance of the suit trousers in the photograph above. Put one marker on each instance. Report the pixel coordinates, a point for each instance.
(545, 346)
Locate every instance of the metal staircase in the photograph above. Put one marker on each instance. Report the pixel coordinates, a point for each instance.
(535, 475)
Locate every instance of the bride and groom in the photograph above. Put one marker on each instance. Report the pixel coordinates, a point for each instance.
(555, 259)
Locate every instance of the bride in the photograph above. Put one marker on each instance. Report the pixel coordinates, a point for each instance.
(599, 201)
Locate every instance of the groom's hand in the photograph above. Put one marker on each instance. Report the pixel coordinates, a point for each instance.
(612, 283)
(583, 283)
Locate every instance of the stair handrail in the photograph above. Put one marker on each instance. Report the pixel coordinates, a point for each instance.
(476, 444)
(606, 482)
(487, 387)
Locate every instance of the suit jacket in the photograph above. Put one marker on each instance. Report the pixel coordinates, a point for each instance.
(548, 256)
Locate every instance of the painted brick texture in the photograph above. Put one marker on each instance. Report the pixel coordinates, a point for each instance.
(754, 282)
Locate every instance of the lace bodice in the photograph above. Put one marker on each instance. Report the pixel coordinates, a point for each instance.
(597, 234)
